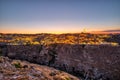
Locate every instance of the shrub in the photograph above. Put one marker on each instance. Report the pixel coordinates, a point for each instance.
(17, 65)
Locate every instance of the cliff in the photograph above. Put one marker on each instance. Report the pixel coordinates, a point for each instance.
(84, 61)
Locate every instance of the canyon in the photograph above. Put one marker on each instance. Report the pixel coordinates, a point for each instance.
(84, 61)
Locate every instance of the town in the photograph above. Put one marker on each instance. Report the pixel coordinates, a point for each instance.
(68, 38)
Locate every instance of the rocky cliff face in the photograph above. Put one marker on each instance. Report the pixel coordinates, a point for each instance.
(88, 62)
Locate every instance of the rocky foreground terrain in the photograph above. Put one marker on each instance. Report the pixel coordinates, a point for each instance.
(22, 70)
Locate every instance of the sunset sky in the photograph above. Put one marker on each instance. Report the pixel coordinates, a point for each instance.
(58, 16)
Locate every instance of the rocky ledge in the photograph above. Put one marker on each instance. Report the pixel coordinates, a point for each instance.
(23, 70)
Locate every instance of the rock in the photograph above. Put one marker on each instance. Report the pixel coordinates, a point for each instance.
(91, 61)
(9, 71)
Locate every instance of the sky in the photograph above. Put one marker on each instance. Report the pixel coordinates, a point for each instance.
(58, 16)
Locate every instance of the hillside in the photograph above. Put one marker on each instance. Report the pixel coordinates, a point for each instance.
(22, 70)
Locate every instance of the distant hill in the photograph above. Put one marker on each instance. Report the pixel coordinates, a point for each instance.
(112, 31)
(106, 31)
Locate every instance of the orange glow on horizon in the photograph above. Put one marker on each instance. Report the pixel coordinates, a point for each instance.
(53, 29)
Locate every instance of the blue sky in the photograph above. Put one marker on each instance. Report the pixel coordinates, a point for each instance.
(58, 16)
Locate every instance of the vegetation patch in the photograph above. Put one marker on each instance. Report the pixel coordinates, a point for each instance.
(17, 65)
